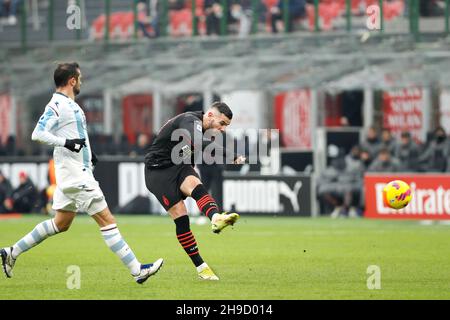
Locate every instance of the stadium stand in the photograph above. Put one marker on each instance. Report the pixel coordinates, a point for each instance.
(333, 66)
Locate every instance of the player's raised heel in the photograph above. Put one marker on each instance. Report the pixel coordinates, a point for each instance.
(7, 261)
(222, 220)
(147, 270)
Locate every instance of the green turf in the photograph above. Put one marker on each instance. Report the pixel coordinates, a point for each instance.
(261, 258)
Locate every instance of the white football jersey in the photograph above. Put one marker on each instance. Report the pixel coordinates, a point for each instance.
(64, 119)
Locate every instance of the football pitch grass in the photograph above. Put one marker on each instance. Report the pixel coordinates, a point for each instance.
(261, 258)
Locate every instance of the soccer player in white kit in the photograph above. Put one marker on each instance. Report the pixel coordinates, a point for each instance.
(63, 125)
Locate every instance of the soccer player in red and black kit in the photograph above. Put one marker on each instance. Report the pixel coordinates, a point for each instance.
(172, 182)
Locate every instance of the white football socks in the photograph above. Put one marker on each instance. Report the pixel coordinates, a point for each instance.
(115, 242)
(41, 232)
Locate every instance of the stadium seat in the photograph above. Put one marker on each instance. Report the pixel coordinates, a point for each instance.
(126, 25)
(393, 9)
(120, 25)
(327, 13)
(183, 20)
(180, 22)
(97, 28)
(115, 21)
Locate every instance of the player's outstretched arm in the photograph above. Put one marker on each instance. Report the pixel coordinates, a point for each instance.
(43, 132)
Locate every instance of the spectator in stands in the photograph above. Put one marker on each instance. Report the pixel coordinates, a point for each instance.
(407, 152)
(242, 12)
(213, 12)
(25, 195)
(372, 142)
(387, 140)
(5, 194)
(385, 162)
(352, 183)
(327, 188)
(8, 11)
(140, 149)
(366, 159)
(146, 22)
(437, 154)
(339, 187)
(296, 8)
(155, 13)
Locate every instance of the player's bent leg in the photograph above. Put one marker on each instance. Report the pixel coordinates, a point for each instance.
(63, 220)
(193, 187)
(186, 238)
(40, 232)
(115, 241)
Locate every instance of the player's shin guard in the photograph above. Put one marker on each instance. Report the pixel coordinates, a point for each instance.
(187, 239)
(205, 202)
(115, 242)
(41, 232)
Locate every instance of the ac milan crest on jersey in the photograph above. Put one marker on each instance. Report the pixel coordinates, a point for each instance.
(166, 201)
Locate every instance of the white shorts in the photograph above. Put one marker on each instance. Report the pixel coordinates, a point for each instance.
(84, 196)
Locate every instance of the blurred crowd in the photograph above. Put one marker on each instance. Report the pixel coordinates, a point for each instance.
(210, 13)
(340, 187)
(213, 18)
(239, 15)
(25, 198)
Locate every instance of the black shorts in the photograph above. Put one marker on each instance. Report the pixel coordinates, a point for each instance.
(165, 183)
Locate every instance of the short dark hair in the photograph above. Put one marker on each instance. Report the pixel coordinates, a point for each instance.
(223, 108)
(64, 72)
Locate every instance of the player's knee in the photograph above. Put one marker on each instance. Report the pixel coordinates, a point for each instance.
(63, 227)
(189, 184)
(63, 220)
